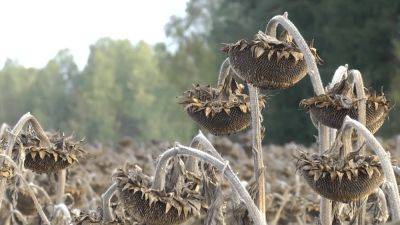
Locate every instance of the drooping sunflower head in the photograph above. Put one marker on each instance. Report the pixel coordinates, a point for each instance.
(345, 180)
(220, 115)
(63, 152)
(268, 62)
(155, 207)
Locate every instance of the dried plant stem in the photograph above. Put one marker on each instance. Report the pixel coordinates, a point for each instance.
(28, 188)
(386, 164)
(323, 131)
(339, 75)
(62, 176)
(19, 215)
(383, 204)
(223, 71)
(356, 77)
(13, 136)
(108, 216)
(301, 43)
(325, 206)
(347, 143)
(201, 142)
(284, 200)
(45, 194)
(159, 178)
(207, 146)
(259, 170)
(362, 117)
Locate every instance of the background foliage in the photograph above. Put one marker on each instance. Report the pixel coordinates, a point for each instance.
(130, 89)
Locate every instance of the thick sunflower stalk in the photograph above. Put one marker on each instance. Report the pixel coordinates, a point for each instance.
(356, 79)
(323, 131)
(391, 183)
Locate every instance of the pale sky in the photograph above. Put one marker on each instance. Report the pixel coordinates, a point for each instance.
(33, 31)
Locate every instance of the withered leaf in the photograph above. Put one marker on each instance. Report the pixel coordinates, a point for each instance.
(243, 108)
(167, 207)
(259, 51)
(42, 154)
(33, 154)
(270, 53)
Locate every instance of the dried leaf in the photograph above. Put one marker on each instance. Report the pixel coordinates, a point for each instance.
(243, 108)
(167, 207)
(259, 51)
(270, 53)
(208, 111)
(42, 154)
(33, 154)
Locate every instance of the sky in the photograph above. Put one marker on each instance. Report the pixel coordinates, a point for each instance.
(32, 32)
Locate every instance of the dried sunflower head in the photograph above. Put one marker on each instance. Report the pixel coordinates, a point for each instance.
(346, 180)
(154, 207)
(331, 108)
(22, 199)
(267, 62)
(63, 152)
(217, 110)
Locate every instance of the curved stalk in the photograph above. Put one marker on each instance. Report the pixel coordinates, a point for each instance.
(207, 146)
(301, 43)
(223, 71)
(159, 178)
(339, 75)
(386, 164)
(105, 201)
(13, 136)
(201, 142)
(323, 131)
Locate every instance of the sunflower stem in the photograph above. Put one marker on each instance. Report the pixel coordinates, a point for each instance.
(159, 177)
(384, 158)
(201, 142)
(323, 131)
(223, 71)
(27, 117)
(361, 109)
(259, 169)
(356, 78)
(62, 176)
(108, 216)
(383, 203)
(301, 43)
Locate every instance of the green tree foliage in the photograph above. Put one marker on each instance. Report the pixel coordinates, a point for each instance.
(122, 91)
